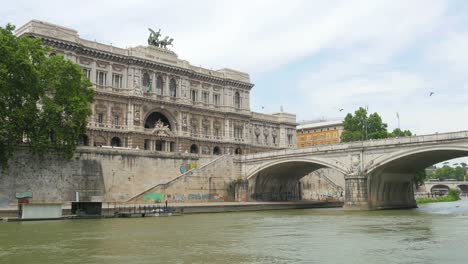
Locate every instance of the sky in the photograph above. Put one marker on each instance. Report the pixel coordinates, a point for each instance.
(310, 57)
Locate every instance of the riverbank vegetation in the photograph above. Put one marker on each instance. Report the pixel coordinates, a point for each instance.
(453, 195)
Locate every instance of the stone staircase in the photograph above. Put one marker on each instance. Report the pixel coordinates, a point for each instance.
(208, 182)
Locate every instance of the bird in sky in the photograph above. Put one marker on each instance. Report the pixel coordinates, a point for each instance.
(341, 109)
(431, 94)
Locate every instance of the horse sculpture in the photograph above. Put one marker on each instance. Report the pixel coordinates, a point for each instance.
(153, 39)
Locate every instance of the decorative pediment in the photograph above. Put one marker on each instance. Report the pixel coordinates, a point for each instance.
(85, 61)
(116, 109)
(117, 67)
(194, 83)
(100, 108)
(102, 64)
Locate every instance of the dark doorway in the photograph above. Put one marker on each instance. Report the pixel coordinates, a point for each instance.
(216, 151)
(194, 149)
(116, 142)
(238, 151)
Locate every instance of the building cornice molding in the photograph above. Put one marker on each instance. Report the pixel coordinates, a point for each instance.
(135, 61)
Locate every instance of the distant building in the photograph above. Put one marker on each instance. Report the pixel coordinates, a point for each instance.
(319, 132)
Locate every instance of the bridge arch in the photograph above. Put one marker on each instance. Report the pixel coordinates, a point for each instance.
(439, 189)
(463, 189)
(391, 177)
(417, 158)
(321, 163)
(278, 180)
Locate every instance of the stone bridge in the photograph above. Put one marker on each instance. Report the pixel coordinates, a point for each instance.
(379, 174)
(444, 186)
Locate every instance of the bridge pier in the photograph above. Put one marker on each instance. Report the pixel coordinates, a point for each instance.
(356, 193)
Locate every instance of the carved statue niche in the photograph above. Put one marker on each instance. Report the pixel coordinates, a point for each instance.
(257, 131)
(136, 117)
(161, 130)
(184, 122)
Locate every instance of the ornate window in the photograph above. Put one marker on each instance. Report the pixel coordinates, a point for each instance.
(117, 80)
(216, 99)
(116, 120)
(193, 95)
(172, 88)
(146, 81)
(101, 78)
(100, 118)
(87, 72)
(206, 97)
(237, 100)
(159, 85)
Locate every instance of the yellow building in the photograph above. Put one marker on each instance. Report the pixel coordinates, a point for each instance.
(319, 132)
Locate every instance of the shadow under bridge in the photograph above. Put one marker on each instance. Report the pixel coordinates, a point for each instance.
(280, 181)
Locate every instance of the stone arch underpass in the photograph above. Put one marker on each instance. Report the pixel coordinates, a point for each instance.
(390, 179)
(279, 180)
(378, 174)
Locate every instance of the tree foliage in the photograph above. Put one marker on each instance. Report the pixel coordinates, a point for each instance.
(448, 172)
(360, 126)
(400, 133)
(44, 101)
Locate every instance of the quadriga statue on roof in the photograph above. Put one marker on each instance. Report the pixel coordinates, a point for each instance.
(153, 39)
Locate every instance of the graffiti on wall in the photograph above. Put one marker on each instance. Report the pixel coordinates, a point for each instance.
(178, 197)
(157, 197)
(198, 196)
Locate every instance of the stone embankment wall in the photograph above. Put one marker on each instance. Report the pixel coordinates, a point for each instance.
(323, 184)
(96, 173)
(211, 182)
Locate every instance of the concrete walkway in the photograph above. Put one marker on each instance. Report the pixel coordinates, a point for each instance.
(204, 207)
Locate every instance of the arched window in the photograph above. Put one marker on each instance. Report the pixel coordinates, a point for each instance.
(237, 100)
(172, 88)
(147, 81)
(83, 140)
(155, 117)
(194, 149)
(115, 142)
(216, 151)
(238, 151)
(159, 85)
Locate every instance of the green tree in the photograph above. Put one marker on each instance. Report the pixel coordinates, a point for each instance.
(44, 101)
(360, 126)
(400, 133)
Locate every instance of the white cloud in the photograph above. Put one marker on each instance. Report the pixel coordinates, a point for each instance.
(353, 49)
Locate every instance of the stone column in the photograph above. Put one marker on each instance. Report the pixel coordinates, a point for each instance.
(211, 128)
(109, 76)
(356, 193)
(227, 134)
(92, 75)
(166, 85)
(200, 127)
(109, 115)
(153, 82)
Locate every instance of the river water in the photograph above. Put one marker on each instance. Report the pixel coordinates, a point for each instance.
(434, 233)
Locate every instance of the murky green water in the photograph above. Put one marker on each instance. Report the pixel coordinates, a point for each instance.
(434, 233)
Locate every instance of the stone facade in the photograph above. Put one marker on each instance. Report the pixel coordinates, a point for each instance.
(148, 98)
